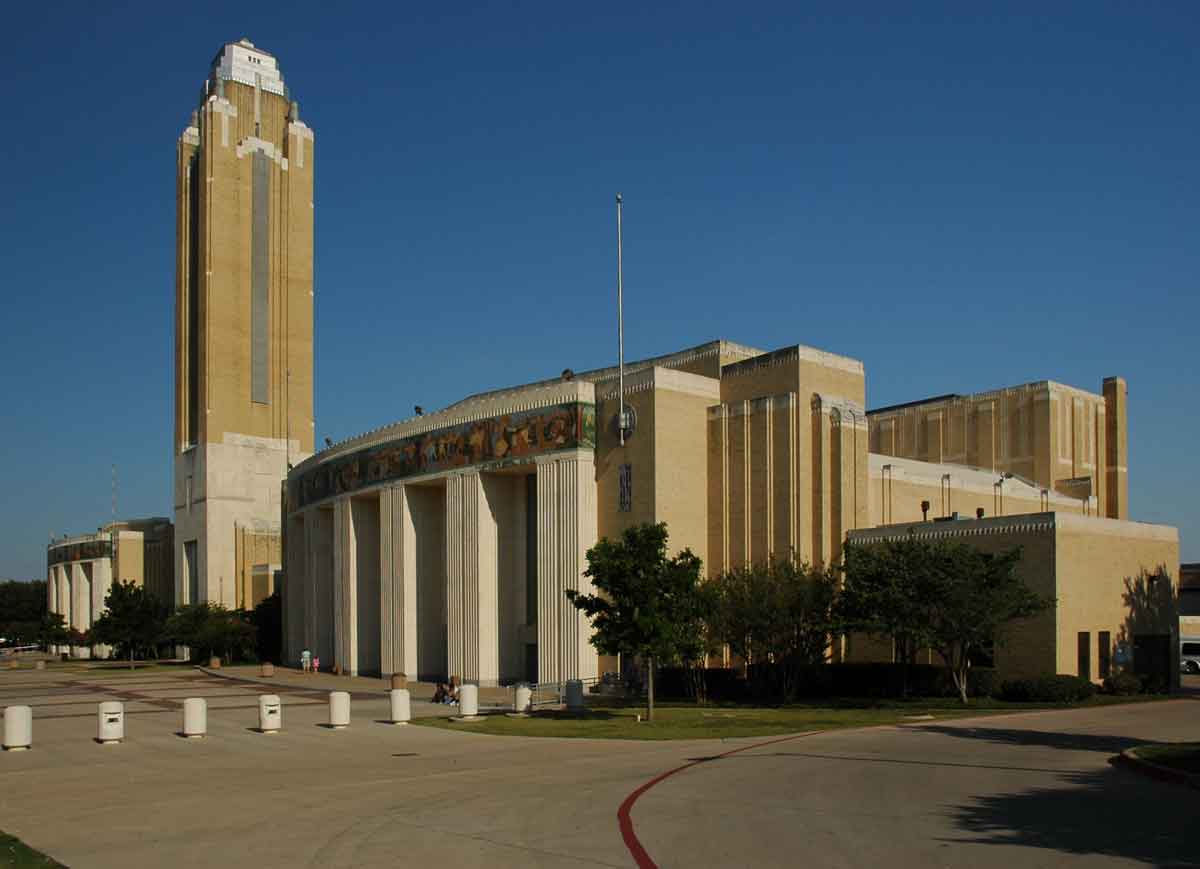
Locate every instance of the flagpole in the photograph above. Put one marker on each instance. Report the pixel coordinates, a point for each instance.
(620, 333)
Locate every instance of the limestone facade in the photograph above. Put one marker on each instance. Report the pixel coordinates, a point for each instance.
(244, 303)
(442, 545)
(80, 570)
(1049, 435)
(1108, 579)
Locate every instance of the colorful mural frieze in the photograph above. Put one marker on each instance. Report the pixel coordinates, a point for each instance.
(81, 551)
(497, 441)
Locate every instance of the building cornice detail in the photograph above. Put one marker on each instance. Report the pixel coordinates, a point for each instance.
(795, 353)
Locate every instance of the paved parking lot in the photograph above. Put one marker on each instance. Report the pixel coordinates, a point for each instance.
(1029, 789)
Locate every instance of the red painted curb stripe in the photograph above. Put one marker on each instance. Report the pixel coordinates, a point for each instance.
(625, 821)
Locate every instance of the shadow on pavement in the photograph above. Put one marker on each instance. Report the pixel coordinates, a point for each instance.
(1108, 812)
(1106, 744)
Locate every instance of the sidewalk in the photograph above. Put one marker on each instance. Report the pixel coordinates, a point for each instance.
(365, 686)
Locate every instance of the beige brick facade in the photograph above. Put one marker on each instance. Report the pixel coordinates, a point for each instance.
(244, 324)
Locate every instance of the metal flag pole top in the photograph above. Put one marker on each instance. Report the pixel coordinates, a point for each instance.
(620, 334)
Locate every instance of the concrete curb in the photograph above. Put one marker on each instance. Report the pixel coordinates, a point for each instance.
(1129, 760)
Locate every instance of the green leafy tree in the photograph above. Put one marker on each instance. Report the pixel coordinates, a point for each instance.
(780, 612)
(647, 604)
(950, 597)
(211, 630)
(978, 593)
(52, 631)
(882, 595)
(22, 608)
(132, 622)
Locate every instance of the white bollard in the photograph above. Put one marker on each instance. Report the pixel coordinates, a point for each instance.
(18, 728)
(339, 709)
(401, 705)
(111, 722)
(468, 701)
(195, 717)
(270, 713)
(522, 699)
(574, 695)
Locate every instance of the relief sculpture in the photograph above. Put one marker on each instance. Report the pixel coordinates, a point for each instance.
(503, 439)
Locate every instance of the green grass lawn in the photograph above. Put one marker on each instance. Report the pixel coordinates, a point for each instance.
(14, 852)
(688, 721)
(1183, 756)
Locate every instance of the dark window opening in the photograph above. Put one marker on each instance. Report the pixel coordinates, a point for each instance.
(1085, 655)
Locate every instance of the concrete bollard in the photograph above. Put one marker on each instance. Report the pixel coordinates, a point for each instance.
(268, 669)
(111, 720)
(339, 709)
(401, 705)
(18, 728)
(468, 701)
(39, 665)
(195, 717)
(574, 695)
(522, 698)
(270, 713)
(399, 680)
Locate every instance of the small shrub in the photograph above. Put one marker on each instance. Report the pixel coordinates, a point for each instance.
(1061, 688)
(1123, 684)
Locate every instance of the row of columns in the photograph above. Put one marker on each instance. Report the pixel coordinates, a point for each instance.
(76, 590)
(447, 553)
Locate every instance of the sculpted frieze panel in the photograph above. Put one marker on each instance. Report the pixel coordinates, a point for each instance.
(501, 440)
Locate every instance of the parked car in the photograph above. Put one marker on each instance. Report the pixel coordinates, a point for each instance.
(1189, 656)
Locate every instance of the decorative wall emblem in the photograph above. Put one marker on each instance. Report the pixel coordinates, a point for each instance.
(626, 489)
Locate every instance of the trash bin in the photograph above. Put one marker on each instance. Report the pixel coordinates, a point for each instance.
(522, 698)
(18, 728)
(574, 695)
(270, 713)
(468, 701)
(195, 717)
(214, 663)
(401, 706)
(268, 669)
(112, 722)
(339, 709)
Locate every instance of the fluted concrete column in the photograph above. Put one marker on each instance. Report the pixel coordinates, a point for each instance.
(566, 504)
(397, 583)
(52, 589)
(471, 581)
(102, 580)
(345, 589)
(81, 598)
(64, 593)
(295, 591)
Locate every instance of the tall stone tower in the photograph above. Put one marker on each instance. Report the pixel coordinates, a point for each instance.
(243, 325)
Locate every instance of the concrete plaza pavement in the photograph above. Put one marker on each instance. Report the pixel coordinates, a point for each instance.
(1031, 788)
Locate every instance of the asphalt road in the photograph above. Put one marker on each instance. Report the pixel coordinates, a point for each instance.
(1031, 789)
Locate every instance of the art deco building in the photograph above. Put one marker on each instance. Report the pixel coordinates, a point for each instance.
(244, 325)
(442, 544)
(81, 570)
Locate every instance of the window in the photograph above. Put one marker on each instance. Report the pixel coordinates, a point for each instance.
(1085, 655)
(1105, 641)
(192, 571)
(1191, 648)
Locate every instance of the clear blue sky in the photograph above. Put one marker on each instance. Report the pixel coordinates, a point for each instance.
(963, 199)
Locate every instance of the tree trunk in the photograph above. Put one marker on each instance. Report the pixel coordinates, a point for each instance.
(650, 692)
